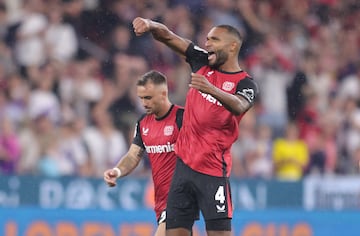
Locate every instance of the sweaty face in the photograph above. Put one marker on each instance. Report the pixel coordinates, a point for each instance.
(151, 98)
(217, 45)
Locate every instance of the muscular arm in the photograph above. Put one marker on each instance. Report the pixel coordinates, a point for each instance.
(161, 33)
(126, 165)
(236, 104)
(131, 159)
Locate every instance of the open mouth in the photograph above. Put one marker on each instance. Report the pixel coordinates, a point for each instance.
(211, 56)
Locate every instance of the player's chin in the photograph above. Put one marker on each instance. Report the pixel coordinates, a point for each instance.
(214, 64)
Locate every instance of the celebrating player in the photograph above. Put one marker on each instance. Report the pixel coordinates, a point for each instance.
(220, 94)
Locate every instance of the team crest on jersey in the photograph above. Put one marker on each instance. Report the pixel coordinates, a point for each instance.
(228, 86)
(145, 131)
(168, 130)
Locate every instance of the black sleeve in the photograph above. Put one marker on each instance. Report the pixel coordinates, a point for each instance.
(196, 57)
(137, 134)
(248, 89)
(179, 117)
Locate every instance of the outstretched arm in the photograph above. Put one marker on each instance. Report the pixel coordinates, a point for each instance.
(126, 165)
(161, 33)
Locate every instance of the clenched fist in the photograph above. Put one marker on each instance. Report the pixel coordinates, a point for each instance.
(110, 177)
(141, 25)
(200, 83)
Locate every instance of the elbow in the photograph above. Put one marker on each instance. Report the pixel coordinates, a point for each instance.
(236, 111)
(240, 110)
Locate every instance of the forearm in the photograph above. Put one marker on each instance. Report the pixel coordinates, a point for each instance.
(163, 34)
(160, 31)
(231, 102)
(128, 163)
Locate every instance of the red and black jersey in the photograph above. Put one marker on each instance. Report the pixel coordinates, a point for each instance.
(157, 137)
(209, 129)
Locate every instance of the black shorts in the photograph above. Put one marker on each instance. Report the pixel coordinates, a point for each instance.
(191, 192)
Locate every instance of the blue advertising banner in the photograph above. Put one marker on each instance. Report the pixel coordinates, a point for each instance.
(62, 222)
(313, 193)
(133, 193)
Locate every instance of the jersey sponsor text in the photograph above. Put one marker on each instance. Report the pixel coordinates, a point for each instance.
(168, 147)
(210, 99)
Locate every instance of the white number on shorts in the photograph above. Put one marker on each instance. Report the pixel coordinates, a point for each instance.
(220, 195)
(162, 217)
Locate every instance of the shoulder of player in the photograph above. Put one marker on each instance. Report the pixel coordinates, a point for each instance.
(142, 117)
(249, 81)
(240, 77)
(248, 78)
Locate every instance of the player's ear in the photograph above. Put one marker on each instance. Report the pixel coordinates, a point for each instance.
(234, 46)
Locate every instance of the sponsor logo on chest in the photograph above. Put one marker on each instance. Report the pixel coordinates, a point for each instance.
(210, 99)
(161, 148)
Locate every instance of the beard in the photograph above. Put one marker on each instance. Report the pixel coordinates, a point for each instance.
(221, 58)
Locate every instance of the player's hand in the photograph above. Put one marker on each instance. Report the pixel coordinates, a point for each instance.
(200, 83)
(110, 177)
(141, 25)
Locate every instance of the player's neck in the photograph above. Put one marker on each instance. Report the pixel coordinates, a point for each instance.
(230, 66)
(164, 111)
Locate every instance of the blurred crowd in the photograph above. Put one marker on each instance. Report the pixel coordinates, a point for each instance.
(68, 70)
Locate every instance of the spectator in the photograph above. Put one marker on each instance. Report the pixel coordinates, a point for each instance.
(37, 138)
(73, 156)
(262, 165)
(106, 144)
(42, 99)
(30, 47)
(298, 88)
(245, 146)
(60, 38)
(9, 147)
(290, 155)
(18, 91)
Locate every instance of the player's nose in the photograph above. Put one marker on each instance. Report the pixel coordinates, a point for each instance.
(143, 102)
(207, 44)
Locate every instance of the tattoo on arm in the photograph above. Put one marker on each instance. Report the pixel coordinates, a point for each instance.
(140, 153)
(131, 160)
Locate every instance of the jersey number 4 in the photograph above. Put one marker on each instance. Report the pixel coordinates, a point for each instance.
(220, 195)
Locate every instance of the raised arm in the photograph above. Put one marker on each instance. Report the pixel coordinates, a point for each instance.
(126, 165)
(161, 33)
